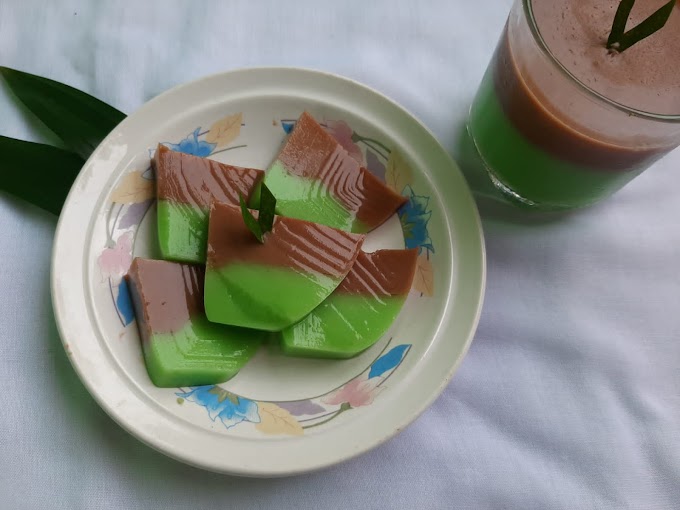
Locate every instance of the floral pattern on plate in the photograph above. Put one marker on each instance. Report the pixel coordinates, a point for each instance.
(296, 416)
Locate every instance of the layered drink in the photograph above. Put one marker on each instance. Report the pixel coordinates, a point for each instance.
(562, 121)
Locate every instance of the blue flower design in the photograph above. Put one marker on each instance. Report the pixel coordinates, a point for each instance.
(124, 303)
(388, 361)
(229, 408)
(288, 125)
(192, 145)
(414, 216)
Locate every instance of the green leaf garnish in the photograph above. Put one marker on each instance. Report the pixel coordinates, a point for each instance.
(620, 21)
(250, 220)
(254, 202)
(80, 120)
(265, 217)
(620, 40)
(267, 209)
(37, 173)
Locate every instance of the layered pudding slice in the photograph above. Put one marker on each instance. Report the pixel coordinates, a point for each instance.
(181, 348)
(359, 312)
(185, 186)
(274, 284)
(315, 179)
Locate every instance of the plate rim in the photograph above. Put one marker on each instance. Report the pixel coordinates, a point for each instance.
(397, 427)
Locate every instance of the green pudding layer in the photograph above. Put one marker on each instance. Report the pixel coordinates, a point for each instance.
(200, 353)
(343, 326)
(308, 199)
(263, 297)
(182, 232)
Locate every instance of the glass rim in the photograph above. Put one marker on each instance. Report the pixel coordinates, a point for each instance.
(658, 117)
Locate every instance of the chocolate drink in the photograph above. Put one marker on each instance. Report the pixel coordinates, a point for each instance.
(561, 121)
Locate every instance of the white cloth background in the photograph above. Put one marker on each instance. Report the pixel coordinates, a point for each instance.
(570, 395)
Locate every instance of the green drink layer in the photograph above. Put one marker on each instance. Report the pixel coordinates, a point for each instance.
(524, 168)
(182, 231)
(200, 353)
(263, 297)
(343, 326)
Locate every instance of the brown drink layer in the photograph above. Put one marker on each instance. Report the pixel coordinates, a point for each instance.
(381, 273)
(642, 77)
(165, 294)
(299, 245)
(645, 77)
(188, 179)
(312, 153)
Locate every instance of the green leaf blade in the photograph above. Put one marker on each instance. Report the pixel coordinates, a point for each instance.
(620, 40)
(79, 119)
(620, 21)
(37, 173)
(267, 209)
(651, 25)
(250, 221)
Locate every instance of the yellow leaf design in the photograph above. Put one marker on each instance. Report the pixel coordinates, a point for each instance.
(423, 281)
(133, 189)
(225, 130)
(398, 173)
(276, 420)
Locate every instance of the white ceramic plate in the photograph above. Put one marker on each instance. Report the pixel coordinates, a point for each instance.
(280, 415)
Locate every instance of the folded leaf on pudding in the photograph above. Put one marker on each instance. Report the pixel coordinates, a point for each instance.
(186, 185)
(271, 285)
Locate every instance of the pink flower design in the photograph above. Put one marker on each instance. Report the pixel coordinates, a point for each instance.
(342, 132)
(115, 260)
(357, 392)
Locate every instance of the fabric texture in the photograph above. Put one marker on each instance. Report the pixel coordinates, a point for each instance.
(570, 394)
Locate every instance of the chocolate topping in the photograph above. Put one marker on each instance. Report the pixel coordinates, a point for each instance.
(381, 273)
(551, 133)
(165, 294)
(197, 181)
(299, 245)
(380, 202)
(646, 76)
(312, 153)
